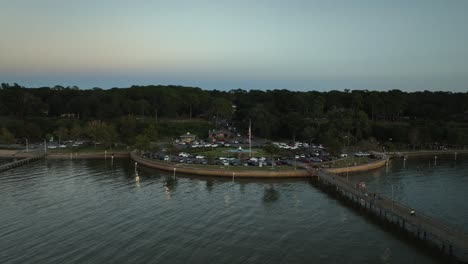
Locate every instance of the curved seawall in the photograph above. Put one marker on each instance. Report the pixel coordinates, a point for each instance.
(300, 173)
(217, 172)
(359, 168)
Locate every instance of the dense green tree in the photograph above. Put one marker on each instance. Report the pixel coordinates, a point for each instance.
(127, 129)
(76, 132)
(142, 142)
(6, 137)
(276, 114)
(101, 132)
(62, 133)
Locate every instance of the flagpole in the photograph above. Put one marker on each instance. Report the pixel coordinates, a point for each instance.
(250, 138)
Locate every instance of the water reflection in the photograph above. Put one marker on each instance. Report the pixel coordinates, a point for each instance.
(270, 194)
(50, 208)
(137, 180)
(209, 185)
(437, 190)
(170, 184)
(386, 255)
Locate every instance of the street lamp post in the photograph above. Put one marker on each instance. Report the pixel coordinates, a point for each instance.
(27, 145)
(45, 146)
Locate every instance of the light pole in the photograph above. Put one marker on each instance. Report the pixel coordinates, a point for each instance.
(27, 145)
(45, 146)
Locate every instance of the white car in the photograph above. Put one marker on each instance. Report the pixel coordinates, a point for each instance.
(344, 155)
(62, 146)
(166, 158)
(200, 157)
(183, 155)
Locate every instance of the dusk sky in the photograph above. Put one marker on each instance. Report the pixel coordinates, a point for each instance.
(297, 45)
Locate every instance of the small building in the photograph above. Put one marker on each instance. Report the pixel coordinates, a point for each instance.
(220, 135)
(188, 138)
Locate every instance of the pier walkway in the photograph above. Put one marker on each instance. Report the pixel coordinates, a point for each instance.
(450, 240)
(21, 162)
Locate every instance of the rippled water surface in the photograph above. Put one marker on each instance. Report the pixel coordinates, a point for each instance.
(93, 212)
(436, 187)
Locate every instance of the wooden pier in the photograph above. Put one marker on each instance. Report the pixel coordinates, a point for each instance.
(21, 162)
(450, 241)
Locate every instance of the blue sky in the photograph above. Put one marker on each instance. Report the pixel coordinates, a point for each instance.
(298, 45)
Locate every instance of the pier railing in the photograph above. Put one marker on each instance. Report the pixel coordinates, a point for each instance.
(17, 163)
(447, 235)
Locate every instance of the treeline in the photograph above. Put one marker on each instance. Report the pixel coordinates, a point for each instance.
(337, 118)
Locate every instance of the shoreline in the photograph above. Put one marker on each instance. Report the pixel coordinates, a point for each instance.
(211, 171)
(117, 155)
(216, 172)
(13, 154)
(399, 154)
(359, 168)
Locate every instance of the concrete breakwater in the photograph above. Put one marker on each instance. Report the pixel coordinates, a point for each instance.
(226, 172)
(21, 162)
(358, 168)
(207, 170)
(219, 172)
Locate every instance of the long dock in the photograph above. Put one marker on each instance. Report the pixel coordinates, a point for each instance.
(451, 241)
(21, 162)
